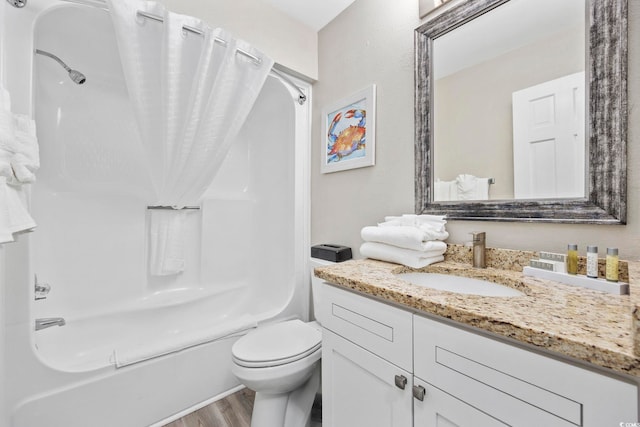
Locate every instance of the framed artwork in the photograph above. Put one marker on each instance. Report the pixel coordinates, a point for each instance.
(349, 132)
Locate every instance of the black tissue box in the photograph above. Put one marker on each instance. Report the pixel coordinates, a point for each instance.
(333, 253)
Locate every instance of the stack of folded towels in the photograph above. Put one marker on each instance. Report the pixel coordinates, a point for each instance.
(412, 240)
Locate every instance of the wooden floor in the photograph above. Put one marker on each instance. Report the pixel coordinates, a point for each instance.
(233, 411)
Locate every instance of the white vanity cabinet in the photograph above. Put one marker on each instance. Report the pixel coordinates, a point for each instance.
(367, 362)
(378, 360)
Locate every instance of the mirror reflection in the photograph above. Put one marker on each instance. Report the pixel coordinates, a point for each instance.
(509, 104)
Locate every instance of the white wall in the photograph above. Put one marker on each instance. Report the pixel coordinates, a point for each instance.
(372, 42)
(287, 41)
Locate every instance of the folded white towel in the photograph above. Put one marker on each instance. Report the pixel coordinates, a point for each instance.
(432, 225)
(403, 237)
(436, 221)
(408, 257)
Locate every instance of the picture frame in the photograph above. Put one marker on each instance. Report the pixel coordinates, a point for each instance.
(348, 139)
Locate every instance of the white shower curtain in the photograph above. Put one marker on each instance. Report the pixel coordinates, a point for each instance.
(191, 94)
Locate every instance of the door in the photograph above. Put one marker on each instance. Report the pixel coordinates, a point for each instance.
(360, 389)
(549, 139)
(439, 409)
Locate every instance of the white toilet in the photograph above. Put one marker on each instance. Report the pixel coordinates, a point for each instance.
(280, 362)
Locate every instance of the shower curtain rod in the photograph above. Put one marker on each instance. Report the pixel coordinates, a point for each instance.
(301, 96)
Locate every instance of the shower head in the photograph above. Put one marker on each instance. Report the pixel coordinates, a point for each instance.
(17, 3)
(75, 75)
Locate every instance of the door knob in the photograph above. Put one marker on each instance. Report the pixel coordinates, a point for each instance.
(401, 381)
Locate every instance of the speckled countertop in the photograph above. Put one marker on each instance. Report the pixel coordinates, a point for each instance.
(584, 324)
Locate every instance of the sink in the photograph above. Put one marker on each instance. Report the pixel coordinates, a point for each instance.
(460, 285)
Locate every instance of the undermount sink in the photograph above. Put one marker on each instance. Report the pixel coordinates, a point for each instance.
(460, 285)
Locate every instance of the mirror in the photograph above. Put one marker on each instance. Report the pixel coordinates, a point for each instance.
(494, 78)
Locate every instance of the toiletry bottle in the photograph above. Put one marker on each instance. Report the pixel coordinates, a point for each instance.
(592, 262)
(612, 264)
(572, 259)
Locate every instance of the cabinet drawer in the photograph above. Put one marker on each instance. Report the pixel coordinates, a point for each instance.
(375, 326)
(514, 385)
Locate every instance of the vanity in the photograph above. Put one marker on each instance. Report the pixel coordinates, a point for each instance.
(399, 354)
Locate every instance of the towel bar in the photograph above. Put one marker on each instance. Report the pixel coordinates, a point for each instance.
(174, 207)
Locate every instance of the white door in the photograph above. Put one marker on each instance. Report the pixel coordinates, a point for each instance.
(549, 139)
(439, 409)
(359, 388)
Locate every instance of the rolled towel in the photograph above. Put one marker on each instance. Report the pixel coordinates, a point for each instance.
(403, 237)
(408, 257)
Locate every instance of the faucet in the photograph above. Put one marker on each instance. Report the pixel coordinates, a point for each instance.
(41, 289)
(48, 322)
(479, 249)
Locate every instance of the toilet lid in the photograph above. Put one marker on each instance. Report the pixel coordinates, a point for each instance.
(277, 344)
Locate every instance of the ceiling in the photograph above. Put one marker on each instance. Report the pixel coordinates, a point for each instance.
(313, 13)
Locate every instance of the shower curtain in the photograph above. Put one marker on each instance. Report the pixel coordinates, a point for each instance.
(191, 94)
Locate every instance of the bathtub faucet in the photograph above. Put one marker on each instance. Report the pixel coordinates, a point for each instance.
(41, 289)
(48, 322)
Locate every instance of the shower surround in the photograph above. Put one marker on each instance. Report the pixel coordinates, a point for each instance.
(170, 336)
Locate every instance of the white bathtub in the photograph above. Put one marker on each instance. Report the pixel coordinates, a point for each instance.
(247, 252)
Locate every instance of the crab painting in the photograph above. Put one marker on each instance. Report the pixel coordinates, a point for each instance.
(346, 139)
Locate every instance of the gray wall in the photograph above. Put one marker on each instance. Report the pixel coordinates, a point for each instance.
(372, 42)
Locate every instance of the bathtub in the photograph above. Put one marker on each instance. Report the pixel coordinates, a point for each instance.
(137, 350)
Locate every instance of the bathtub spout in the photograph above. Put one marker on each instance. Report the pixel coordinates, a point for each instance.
(48, 322)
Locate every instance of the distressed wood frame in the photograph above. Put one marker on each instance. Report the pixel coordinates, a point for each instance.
(606, 71)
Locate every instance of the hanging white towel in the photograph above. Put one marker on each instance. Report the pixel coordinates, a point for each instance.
(403, 237)
(18, 162)
(408, 257)
(445, 191)
(14, 216)
(166, 242)
(472, 188)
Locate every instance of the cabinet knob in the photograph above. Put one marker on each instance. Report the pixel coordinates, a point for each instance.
(401, 381)
(419, 392)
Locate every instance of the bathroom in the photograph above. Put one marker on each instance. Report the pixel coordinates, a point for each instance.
(370, 42)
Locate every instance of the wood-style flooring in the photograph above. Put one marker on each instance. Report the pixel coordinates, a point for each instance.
(232, 411)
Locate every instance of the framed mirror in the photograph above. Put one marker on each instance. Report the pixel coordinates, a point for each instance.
(521, 111)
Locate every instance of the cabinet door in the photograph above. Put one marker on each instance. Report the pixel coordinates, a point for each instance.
(517, 386)
(359, 388)
(439, 409)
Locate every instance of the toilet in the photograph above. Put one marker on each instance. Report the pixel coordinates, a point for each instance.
(281, 363)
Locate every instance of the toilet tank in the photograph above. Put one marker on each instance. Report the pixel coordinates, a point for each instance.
(316, 286)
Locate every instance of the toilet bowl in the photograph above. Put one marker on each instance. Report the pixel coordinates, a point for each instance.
(280, 362)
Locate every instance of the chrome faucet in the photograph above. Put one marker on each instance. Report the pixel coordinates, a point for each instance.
(479, 247)
(41, 289)
(48, 322)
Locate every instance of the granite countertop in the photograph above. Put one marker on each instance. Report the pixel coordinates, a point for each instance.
(584, 324)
